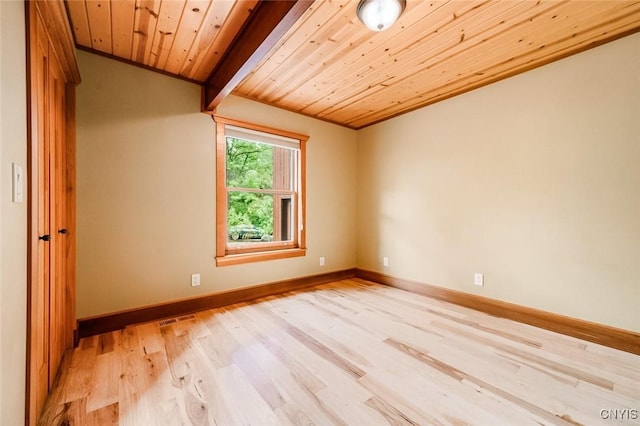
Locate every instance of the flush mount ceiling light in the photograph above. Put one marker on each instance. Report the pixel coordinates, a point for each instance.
(378, 15)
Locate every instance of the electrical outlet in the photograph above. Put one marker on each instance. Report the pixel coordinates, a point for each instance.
(385, 261)
(195, 280)
(478, 279)
(322, 261)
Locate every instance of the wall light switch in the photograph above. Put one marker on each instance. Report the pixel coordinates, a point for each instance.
(18, 183)
(385, 261)
(322, 261)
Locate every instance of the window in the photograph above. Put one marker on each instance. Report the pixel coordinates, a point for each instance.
(260, 200)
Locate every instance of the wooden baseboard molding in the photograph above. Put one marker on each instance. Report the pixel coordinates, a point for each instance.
(118, 320)
(617, 338)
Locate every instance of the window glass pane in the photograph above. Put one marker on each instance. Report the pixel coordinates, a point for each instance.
(284, 168)
(259, 217)
(249, 164)
(250, 216)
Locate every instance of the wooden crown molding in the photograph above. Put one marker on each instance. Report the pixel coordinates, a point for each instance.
(612, 337)
(56, 22)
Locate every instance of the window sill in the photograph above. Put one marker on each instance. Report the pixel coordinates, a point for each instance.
(237, 259)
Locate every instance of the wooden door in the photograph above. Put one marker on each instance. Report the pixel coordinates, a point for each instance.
(51, 318)
(57, 208)
(40, 199)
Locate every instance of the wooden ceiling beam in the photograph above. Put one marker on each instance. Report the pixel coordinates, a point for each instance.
(268, 23)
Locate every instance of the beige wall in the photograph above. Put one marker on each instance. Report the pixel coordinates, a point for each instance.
(146, 189)
(13, 216)
(533, 181)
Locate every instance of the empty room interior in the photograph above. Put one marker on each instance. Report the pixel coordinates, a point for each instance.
(322, 212)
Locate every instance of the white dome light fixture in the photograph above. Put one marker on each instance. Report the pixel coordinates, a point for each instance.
(378, 15)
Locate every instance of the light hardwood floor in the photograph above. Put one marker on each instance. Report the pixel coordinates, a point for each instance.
(347, 353)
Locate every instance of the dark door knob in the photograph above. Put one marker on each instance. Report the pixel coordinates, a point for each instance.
(45, 237)
(62, 231)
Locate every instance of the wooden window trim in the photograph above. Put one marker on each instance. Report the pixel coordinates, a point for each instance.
(238, 259)
(259, 252)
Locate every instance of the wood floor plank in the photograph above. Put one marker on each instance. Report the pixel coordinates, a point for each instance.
(105, 343)
(72, 413)
(190, 374)
(343, 353)
(292, 367)
(316, 346)
(149, 338)
(105, 416)
(104, 390)
(133, 406)
(80, 379)
(250, 408)
(301, 385)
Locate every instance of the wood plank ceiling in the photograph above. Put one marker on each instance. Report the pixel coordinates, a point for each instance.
(330, 66)
(185, 38)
